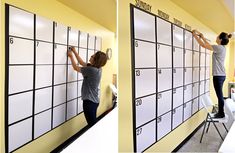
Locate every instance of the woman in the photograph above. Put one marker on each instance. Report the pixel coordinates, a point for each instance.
(92, 74)
(218, 70)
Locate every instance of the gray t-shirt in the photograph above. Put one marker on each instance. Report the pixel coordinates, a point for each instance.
(90, 85)
(218, 57)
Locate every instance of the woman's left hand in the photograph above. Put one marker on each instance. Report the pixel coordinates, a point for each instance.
(194, 32)
(201, 35)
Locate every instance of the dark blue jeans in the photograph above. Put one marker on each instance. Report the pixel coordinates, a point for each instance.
(218, 82)
(90, 109)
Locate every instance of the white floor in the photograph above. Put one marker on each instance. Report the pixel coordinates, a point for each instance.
(100, 138)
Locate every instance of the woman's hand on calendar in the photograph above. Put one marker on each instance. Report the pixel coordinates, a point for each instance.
(70, 54)
(194, 33)
(73, 49)
(201, 35)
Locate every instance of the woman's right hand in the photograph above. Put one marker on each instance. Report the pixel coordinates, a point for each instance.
(73, 49)
(70, 54)
(201, 35)
(195, 32)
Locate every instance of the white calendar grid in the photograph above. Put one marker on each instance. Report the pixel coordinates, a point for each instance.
(42, 89)
(170, 72)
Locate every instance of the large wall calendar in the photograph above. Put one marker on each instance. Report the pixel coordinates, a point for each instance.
(42, 89)
(170, 73)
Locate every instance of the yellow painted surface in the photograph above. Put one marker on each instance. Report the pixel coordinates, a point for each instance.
(56, 11)
(172, 140)
(210, 12)
(228, 67)
(232, 61)
(102, 12)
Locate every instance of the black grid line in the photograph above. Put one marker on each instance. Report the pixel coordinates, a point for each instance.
(53, 74)
(34, 77)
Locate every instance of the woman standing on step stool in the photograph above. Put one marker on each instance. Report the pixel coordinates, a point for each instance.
(92, 74)
(218, 70)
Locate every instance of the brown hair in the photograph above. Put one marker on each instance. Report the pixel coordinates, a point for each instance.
(100, 59)
(224, 37)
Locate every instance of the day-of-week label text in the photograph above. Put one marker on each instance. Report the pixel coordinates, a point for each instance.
(163, 15)
(143, 5)
(188, 27)
(177, 22)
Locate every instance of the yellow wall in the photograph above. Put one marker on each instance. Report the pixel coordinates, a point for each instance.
(231, 61)
(56, 11)
(1, 112)
(171, 141)
(229, 66)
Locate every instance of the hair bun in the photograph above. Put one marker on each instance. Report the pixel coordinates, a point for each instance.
(229, 35)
